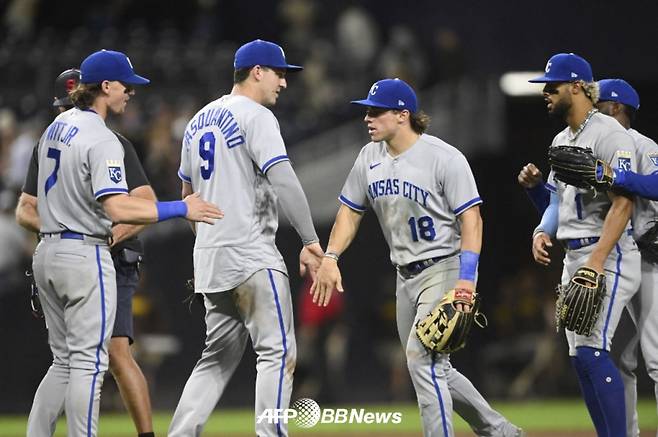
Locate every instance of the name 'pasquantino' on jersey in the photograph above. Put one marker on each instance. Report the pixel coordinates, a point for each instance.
(645, 213)
(416, 195)
(80, 161)
(581, 211)
(227, 148)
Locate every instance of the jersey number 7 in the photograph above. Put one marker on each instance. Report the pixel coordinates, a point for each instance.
(54, 154)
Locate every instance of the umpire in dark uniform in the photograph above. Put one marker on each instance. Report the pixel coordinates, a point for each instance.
(127, 252)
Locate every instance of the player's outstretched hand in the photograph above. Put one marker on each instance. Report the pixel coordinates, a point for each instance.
(310, 259)
(540, 242)
(328, 278)
(463, 284)
(198, 210)
(530, 176)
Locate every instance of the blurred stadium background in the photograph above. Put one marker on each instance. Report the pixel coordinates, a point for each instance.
(456, 54)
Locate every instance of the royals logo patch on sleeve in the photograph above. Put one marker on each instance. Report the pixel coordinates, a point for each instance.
(114, 170)
(624, 160)
(654, 158)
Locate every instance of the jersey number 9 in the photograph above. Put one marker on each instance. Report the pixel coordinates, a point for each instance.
(207, 153)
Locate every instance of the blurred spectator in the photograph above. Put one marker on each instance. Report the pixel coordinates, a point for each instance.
(446, 57)
(322, 347)
(19, 154)
(19, 17)
(403, 57)
(358, 38)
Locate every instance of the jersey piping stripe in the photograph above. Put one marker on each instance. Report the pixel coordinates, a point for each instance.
(438, 393)
(468, 204)
(273, 161)
(351, 204)
(285, 348)
(183, 177)
(551, 188)
(612, 298)
(90, 412)
(106, 191)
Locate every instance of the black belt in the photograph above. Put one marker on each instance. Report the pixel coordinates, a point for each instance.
(412, 269)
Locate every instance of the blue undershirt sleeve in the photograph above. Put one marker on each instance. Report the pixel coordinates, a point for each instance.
(540, 196)
(642, 185)
(549, 220)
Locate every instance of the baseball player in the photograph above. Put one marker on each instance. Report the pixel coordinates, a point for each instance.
(81, 191)
(233, 150)
(126, 251)
(425, 197)
(618, 99)
(594, 229)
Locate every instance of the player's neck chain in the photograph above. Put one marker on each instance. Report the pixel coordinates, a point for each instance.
(572, 137)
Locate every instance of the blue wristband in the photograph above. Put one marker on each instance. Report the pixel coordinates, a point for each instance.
(468, 265)
(167, 210)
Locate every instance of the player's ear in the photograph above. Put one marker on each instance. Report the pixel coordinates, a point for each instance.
(257, 72)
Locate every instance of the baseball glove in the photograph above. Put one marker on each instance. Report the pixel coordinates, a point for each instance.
(578, 167)
(446, 328)
(579, 303)
(648, 244)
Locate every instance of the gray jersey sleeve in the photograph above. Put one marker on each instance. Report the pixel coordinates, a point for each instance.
(459, 185)
(105, 161)
(355, 191)
(264, 142)
(293, 201)
(185, 169)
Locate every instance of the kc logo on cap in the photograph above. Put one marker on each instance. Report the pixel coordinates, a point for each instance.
(565, 67)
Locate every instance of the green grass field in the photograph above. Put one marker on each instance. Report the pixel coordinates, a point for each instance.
(534, 416)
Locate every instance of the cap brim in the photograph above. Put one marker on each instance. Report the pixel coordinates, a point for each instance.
(543, 79)
(294, 67)
(368, 102)
(63, 101)
(136, 79)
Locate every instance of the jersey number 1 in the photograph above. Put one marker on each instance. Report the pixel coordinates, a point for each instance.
(207, 153)
(423, 228)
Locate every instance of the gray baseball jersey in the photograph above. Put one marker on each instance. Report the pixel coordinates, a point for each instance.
(416, 195)
(80, 160)
(582, 212)
(581, 215)
(644, 304)
(646, 211)
(228, 146)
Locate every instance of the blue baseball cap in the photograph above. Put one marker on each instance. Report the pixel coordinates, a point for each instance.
(390, 94)
(565, 67)
(618, 90)
(264, 53)
(109, 65)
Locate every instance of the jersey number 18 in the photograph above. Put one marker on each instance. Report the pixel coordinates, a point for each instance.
(423, 228)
